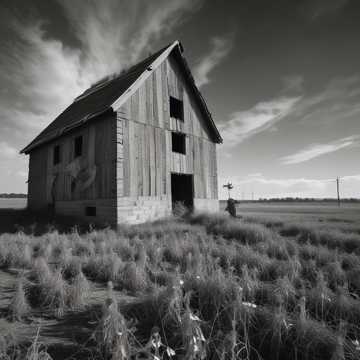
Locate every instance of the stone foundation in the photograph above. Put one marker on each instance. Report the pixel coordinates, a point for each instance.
(105, 210)
(129, 210)
(142, 209)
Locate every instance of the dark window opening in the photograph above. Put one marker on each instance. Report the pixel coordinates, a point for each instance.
(90, 210)
(56, 155)
(176, 108)
(73, 186)
(178, 142)
(78, 144)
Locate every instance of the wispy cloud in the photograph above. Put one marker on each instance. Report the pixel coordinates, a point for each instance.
(44, 74)
(314, 9)
(115, 33)
(316, 150)
(293, 83)
(220, 48)
(41, 75)
(244, 124)
(6, 150)
(338, 100)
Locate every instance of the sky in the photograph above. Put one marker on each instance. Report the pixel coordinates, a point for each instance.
(281, 79)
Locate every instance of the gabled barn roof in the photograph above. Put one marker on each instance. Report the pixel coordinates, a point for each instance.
(114, 92)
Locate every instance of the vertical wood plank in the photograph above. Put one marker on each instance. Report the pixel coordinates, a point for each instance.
(155, 109)
(127, 158)
(152, 161)
(165, 94)
(143, 113)
(119, 156)
(147, 180)
(158, 159)
(139, 159)
(148, 102)
(133, 159)
(168, 161)
(163, 160)
(159, 97)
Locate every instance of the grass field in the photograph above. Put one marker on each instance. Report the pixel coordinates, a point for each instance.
(300, 211)
(13, 203)
(281, 282)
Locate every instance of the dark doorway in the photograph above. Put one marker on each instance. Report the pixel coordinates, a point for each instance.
(182, 190)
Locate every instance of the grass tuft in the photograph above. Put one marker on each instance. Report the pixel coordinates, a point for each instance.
(19, 306)
(112, 333)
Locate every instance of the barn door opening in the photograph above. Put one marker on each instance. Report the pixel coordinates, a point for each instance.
(182, 190)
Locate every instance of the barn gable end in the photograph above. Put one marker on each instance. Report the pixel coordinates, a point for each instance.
(145, 158)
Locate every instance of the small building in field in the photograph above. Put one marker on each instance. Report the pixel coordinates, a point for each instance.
(129, 147)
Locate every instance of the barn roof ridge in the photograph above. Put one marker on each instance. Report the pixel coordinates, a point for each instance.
(102, 97)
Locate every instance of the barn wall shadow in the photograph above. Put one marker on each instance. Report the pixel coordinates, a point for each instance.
(38, 223)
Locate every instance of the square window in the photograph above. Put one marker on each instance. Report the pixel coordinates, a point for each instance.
(176, 108)
(178, 142)
(56, 155)
(78, 144)
(90, 210)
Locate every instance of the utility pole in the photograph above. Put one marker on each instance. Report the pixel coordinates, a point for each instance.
(338, 190)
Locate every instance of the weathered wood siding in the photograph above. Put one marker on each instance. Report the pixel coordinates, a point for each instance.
(37, 196)
(99, 149)
(145, 159)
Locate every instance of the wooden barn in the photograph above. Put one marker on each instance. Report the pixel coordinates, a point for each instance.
(129, 147)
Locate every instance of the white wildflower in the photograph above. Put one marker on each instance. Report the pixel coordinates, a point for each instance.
(201, 335)
(325, 297)
(194, 317)
(170, 352)
(156, 343)
(357, 344)
(249, 304)
(287, 325)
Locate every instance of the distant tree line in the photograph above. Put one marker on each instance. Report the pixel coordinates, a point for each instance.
(298, 199)
(12, 196)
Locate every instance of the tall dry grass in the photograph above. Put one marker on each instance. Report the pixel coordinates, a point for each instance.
(205, 287)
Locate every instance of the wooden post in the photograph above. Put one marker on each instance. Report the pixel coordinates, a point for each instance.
(338, 191)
